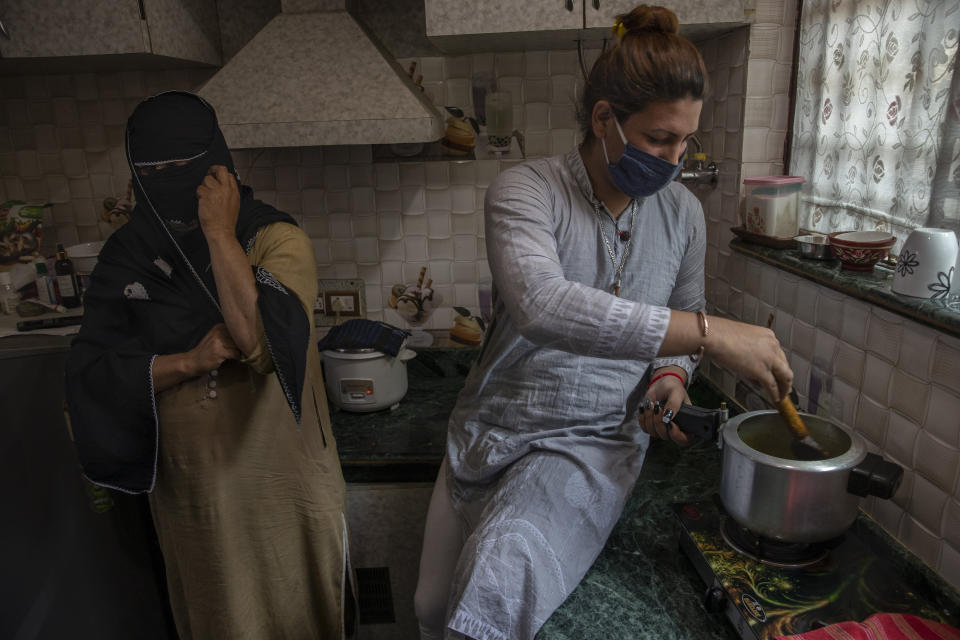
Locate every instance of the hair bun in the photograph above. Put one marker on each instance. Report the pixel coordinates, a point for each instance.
(646, 17)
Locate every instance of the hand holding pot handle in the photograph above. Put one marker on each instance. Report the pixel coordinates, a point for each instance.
(663, 400)
(698, 421)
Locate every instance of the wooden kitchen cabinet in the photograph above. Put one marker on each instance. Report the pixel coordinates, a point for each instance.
(458, 27)
(184, 30)
(454, 17)
(455, 26)
(601, 14)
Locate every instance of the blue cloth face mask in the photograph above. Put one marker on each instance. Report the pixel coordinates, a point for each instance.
(637, 173)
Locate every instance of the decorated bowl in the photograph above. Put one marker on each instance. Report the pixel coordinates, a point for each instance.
(861, 238)
(860, 258)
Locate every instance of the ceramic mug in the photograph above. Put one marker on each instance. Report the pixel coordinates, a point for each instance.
(926, 264)
(955, 281)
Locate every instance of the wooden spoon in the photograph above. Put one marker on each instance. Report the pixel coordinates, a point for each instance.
(804, 446)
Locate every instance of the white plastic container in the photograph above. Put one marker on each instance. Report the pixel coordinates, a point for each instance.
(364, 380)
(772, 205)
(84, 256)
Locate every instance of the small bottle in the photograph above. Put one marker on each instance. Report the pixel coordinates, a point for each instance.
(8, 295)
(45, 290)
(66, 279)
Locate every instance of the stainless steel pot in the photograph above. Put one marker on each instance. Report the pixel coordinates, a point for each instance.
(766, 489)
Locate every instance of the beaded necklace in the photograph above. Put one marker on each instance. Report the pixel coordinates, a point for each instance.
(626, 236)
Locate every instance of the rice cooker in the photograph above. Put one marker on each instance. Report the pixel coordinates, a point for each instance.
(363, 380)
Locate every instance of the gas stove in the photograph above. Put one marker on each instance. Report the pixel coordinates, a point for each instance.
(768, 589)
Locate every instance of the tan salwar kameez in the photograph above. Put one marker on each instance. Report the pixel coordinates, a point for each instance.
(249, 505)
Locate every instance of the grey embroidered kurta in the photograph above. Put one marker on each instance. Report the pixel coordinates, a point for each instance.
(543, 445)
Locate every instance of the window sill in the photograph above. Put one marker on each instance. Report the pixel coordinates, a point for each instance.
(872, 287)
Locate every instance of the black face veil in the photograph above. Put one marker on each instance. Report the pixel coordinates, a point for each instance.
(173, 140)
(153, 293)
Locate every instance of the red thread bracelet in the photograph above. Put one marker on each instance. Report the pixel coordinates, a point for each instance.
(668, 373)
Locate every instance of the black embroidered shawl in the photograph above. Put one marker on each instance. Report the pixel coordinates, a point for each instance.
(153, 292)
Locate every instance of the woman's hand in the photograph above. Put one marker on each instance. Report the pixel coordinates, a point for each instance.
(662, 402)
(751, 352)
(212, 350)
(219, 200)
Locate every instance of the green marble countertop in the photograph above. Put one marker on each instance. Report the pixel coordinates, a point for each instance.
(870, 286)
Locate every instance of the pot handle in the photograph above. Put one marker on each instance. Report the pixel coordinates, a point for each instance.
(406, 354)
(875, 476)
(697, 421)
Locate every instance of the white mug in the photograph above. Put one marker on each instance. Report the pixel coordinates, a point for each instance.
(926, 265)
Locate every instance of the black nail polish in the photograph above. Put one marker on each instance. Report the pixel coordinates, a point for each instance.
(641, 410)
(667, 416)
(656, 408)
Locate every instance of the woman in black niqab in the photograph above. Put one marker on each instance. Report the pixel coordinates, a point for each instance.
(235, 450)
(153, 292)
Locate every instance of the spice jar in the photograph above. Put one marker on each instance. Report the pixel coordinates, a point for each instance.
(9, 297)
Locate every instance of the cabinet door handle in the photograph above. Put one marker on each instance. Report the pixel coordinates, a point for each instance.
(596, 4)
(569, 5)
(3, 31)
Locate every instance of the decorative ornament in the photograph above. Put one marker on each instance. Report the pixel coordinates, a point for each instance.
(618, 29)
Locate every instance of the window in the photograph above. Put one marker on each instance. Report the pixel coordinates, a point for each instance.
(878, 115)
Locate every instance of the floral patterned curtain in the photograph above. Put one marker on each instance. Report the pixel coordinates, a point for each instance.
(876, 121)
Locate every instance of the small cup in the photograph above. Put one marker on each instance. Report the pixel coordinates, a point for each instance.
(814, 247)
(926, 264)
(499, 112)
(481, 83)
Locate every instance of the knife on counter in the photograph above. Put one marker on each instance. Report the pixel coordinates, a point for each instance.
(48, 323)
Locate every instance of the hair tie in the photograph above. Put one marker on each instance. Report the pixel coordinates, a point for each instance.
(618, 28)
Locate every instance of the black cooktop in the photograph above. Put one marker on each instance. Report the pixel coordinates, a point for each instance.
(853, 578)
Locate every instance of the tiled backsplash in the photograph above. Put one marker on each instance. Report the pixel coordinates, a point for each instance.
(544, 86)
(61, 141)
(382, 222)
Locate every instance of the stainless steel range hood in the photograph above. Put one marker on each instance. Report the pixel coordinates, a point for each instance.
(314, 76)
